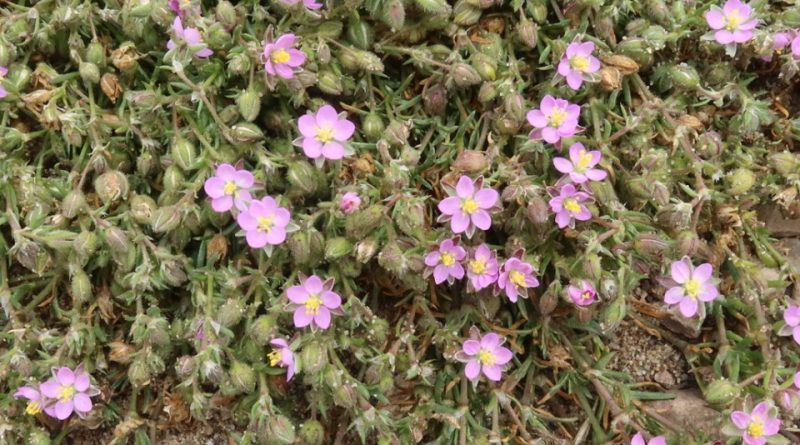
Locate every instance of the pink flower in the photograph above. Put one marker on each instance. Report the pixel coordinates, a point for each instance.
(638, 439)
(446, 261)
(180, 7)
(485, 354)
(281, 58)
(310, 4)
(350, 202)
(3, 73)
(482, 268)
(757, 426)
(789, 398)
(583, 295)
(791, 316)
(69, 391)
(795, 47)
(35, 399)
(229, 187)
(282, 356)
(516, 277)
(191, 37)
(324, 133)
(692, 284)
(313, 302)
(780, 40)
(554, 119)
(468, 206)
(264, 223)
(580, 163)
(577, 63)
(568, 206)
(732, 23)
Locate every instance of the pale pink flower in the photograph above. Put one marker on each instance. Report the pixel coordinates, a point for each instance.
(580, 164)
(313, 302)
(584, 295)
(578, 63)
(310, 4)
(483, 268)
(445, 261)
(469, 206)
(516, 277)
(229, 187)
(791, 316)
(732, 23)
(191, 37)
(553, 120)
(350, 202)
(757, 426)
(692, 284)
(638, 439)
(569, 206)
(67, 392)
(282, 356)
(281, 58)
(796, 47)
(264, 222)
(324, 133)
(485, 354)
(36, 401)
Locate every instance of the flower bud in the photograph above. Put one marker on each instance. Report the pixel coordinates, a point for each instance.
(409, 215)
(264, 329)
(111, 186)
(660, 193)
(336, 248)
(38, 437)
(684, 76)
(721, 393)
(226, 14)
(80, 287)
(507, 125)
(303, 178)
(538, 211)
(365, 60)
(789, 401)
(246, 132)
(360, 33)
(548, 301)
(142, 208)
(360, 224)
(184, 153)
(116, 240)
(230, 313)
(139, 372)
(465, 14)
(73, 203)
(783, 162)
(614, 314)
(740, 181)
(311, 433)
(709, 145)
(185, 366)
(687, 243)
(329, 82)
(464, 75)
(345, 396)
(242, 377)
(485, 66)
(434, 99)
(280, 430)
(392, 259)
(173, 179)
(393, 14)
(314, 357)
(638, 50)
(85, 244)
(470, 162)
(436, 7)
(307, 247)
(592, 267)
(372, 126)
(487, 93)
(528, 32)
(366, 248)
(89, 72)
(173, 272)
(238, 63)
(650, 244)
(165, 219)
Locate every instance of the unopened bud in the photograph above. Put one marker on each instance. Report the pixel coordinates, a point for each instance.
(465, 14)
(470, 162)
(464, 75)
(246, 132)
(614, 314)
(392, 259)
(85, 244)
(740, 181)
(73, 203)
(538, 211)
(487, 93)
(111, 186)
(249, 103)
(687, 243)
(434, 99)
(226, 14)
(139, 372)
(393, 14)
(89, 72)
(360, 224)
(784, 162)
(314, 357)
(242, 377)
(436, 7)
(709, 145)
(165, 219)
(372, 126)
(485, 66)
(365, 249)
(184, 153)
(336, 248)
(528, 32)
(548, 301)
(329, 82)
(173, 272)
(264, 329)
(142, 208)
(311, 433)
(610, 79)
(303, 178)
(684, 76)
(230, 313)
(307, 247)
(397, 133)
(116, 240)
(650, 244)
(81, 287)
(409, 215)
(185, 366)
(720, 393)
(280, 430)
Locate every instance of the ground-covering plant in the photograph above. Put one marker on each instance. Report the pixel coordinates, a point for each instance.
(395, 221)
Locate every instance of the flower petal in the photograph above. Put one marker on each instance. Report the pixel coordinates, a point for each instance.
(465, 187)
(313, 284)
(674, 295)
(63, 409)
(486, 198)
(741, 419)
(490, 341)
(688, 307)
(493, 373)
(302, 318)
(680, 271)
(82, 402)
(65, 376)
(473, 369)
(471, 347)
(503, 355)
(323, 317)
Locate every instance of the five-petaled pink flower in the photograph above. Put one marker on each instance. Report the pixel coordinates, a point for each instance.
(732, 23)
(638, 439)
(314, 301)
(281, 58)
(229, 187)
(580, 164)
(578, 63)
(583, 295)
(691, 284)
(350, 202)
(446, 261)
(324, 133)
(553, 120)
(310, 4)
(282, 356)
(485, 354)
(483, 268)
(468, 206)
(190, 36)
(516, 277)
(757, 426)
(264, 222)
(69, 391)
(791, 316)
(569, 206)
(3, 73)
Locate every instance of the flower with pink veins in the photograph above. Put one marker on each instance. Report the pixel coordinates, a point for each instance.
(638, 439)
(483, 268)
(314, 301)
(35, 399)
(349, 203)
(516, 277)
(485, 354)
(310, 4)
(578, 63)
(584, 295)
(191, 37)
(229, 187)
(446, 261)
(71, 391)
(691, 284)
(264, 223)
(324, 134)
(731, 24)
(282, 356)
(580, 164)
(469, 206)
(791, 316)
(281, 58)
(757, 426)
(569, 206)
(3, 73)
(553, 120)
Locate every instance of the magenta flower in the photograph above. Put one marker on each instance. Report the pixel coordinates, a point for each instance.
(578, 63)
(282, 356)
(446, 261)
(70, 391)
(584, 295)
(314, 301)
(485, 354)
(691, 284)
(482, 268)
(516, 277)
(229, 187)
(324, 134)
(554, 119)
(757, 426)
(264, 223)
(569, 206)
(468, 206)
(180, 7)
(35, 399)
(791, 316)
(191, 37)
(580, 163)
(350, 202)
(638, 439)
(281, 58)
(732, 23)
(3, 73)
(310, 4)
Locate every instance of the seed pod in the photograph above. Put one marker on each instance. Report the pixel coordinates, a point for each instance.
(785, 163)
(264, 329)
(372, 126)
(548, 301)
(360, 224)
(487, 93)
(539, 12)
(165, 219)
(329, 82)
(359, 33)
(528, 32)
(740, 181)
(614, 314)
(650, 244)
(280, 430)
(142, 208)
(393, 259)
(397, 133)
(81, 287)
(436, 7)
(507, 125)
(38, 437)
(610, 79)
(314, 357)
(116, 240)
(409, 215)
(464, 75)
(434, 99)
(687, 243)
(465, 14)
(312, 432)
(184, 153)
(139, 372)
(226, 14)
(242, 377)
(173, 272)
(638, 50)
(684, 76)
(249, 103)
(85, 244)
(336, 248)
(246, 132)
(720, 393)
(514, 105)
(111, 186)
(393, 14)
(73, 203)
(485, 66)
(230, 313)
(173, 179)
(471, 162)
(366, 249)
(307, 247)
(89, 72)
(623, 64)
(303, 178)
(709, 145)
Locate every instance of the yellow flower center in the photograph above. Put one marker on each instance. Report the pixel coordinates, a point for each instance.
(487, 358)
(33, 408)
(469, 206)
(66, 394)
(584, 159)
(229, 188)
(265, 223)
(692, 288)
(274, 357)
(478, 267)
(579, 63)
(518, 278)
(734, 20)
(572, 206)
(557, 117)
(280, 56)
(448, 259)
(325, 134)
(586, 295)
(312, 304)
(755, 429)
